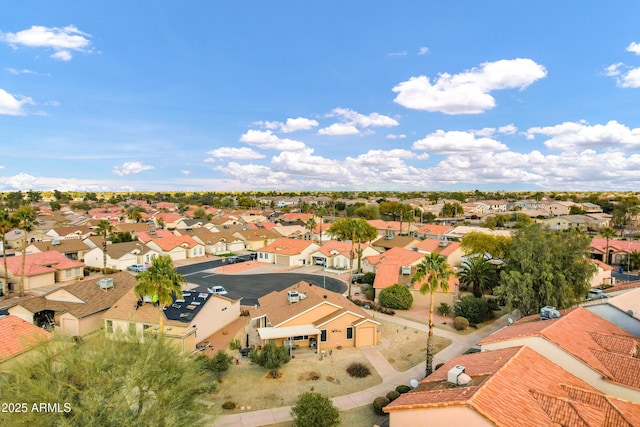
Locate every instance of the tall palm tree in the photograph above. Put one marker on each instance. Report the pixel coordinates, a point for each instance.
(322, 212)
(310, 225)
(608, 233)
(432, 274)
(25, 218)
(162, 283)
(7, 222)
(104, 229)
(478, 273)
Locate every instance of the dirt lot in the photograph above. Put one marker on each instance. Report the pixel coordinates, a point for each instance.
(250, 387)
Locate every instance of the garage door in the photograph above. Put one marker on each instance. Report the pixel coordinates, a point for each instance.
(282, 260)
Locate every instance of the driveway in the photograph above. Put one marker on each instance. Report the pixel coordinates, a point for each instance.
(250, 287)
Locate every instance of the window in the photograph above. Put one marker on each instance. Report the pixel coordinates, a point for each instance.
(323, 335)
(109, 326)
(349, 332)
(68, 273)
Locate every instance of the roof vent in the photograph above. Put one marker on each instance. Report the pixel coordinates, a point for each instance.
(105, 283)
(55, 242)
(405, 270)
(443, 243)
(548, 312)
(454, 374)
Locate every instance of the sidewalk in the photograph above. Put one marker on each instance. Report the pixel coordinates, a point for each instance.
(390, 377)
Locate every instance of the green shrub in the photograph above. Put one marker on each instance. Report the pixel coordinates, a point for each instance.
(244, 313)
(402, 389)
(393, 395)
(368, 278)
(314, 410)
(229, 405)
(358, 370)
(379, 403)
(476, 310)
(235, 344)
(444, 309)
(397, 296)
(370, 294)
(460, 323)
(493, 304)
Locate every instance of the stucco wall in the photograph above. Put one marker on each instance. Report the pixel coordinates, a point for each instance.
(458, 416)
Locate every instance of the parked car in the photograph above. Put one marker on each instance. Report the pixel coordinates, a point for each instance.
(596, 294)
(138, 268)
(357, 277)
(217, 290)
(234, 259)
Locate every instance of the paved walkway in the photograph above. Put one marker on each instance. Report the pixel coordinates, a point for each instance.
(390, 377)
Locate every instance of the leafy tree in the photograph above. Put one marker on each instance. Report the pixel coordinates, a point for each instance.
(474, 309)
(478, 274)
(432, 274)
(397, 296)
(314, 410)
(161, 282)
(55, 205)
(121, 236)
(200, 213)
(444, 309)
(608, 233)
(634, 261)
(25, 219)
(576, 210)
(367, 212)
(220, 363)
(7, 222)
(622, 213)
(271, 357)
(483, 244)
(451, 210)
(310, 225)
(368, 278)
(546, 267)
(104, 229)
(105, 383)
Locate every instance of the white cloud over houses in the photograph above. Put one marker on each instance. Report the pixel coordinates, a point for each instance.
(63, 40)
(11, 105)
(351, 122)
(131, 168)
(242, 153)
(266, 139)
(442, 142)
(467, 92)
(572, 136)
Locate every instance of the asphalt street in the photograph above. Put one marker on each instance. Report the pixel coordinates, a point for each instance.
(250, 287)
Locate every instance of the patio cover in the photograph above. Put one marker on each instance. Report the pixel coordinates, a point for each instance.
(287, 332)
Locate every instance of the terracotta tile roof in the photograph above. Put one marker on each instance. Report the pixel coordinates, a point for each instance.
(41, 263)
(171, 242)
(595, 341)
(518, 387)
(434, 229)
(400, 256)
(286, 246)
(17, 336)
(168, 217)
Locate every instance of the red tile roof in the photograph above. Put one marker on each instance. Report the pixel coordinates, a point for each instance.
(41, 263)
(17, 336)
(286, 246)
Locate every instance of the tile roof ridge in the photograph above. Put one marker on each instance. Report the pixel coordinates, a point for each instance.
(605, 403)
(545, 398)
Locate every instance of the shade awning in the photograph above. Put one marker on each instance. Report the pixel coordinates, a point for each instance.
(287, 332)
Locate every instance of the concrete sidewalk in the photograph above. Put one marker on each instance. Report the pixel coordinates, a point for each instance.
(390, 377)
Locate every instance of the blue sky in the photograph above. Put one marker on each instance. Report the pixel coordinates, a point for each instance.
(289, 95)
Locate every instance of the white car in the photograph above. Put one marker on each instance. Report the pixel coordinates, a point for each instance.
(138, 268)
(217, 290)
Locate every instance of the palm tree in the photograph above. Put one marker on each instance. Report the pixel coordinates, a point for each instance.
(432, 274)
(161, 282)
(322, 212)
(478, 273)
(25, 218)
(310, 225)
(104, 229)
(7, 222)
(607, 233)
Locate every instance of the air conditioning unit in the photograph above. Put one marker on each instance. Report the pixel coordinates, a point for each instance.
(548, 312)
(55, 242)
(443, 243)
(454, 373)
(405, 270)
(105, 283)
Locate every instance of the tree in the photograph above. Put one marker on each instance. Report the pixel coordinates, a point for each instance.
(397, 296)
(356, 230)
(25, 220)
(622, 213)
(200, 213)
(104, 382)
(271, 357)
(220, 363)
(546, 267)
(7, 222)
(608, 233)
(310, 225)
(314, 410)
(486, 244)
(104, 229)
(478, 274)
(432, 274)
(161, 282)
(634, 260)
(451, 210)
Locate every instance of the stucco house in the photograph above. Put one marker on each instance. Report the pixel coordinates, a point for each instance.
(622, 310)
(311, 316)
(255, 239)
(186, 322)
(121, 255)
(75, 309)
(41, 269)
(71, 248)
(508, 387)
(334, 254)
(287, 252)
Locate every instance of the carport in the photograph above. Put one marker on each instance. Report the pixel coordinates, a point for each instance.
(298, 333)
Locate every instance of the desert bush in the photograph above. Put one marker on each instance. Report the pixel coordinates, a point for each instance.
(397, 296)
(379, 403)
(235, 344)
(314, 410)
(402, 389)
(370, 294)
(229, 405)
(393, 395)
(460, 323)
(444, 309)
(476, 310)
(358, 370)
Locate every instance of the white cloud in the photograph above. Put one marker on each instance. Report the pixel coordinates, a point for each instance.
(396, 136)
(242, 153)
(630, 79)
(423, 50)
(185, 172)
(61, 40)
(442, 142)
(291, 125)
(509, 129)
(468, 92)
(337, 129)
(351, 122)
(267, 140)
(398, 53)
(634, 47)
(11, 105)
(131, 168)
(613, 69)
(572, 136)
